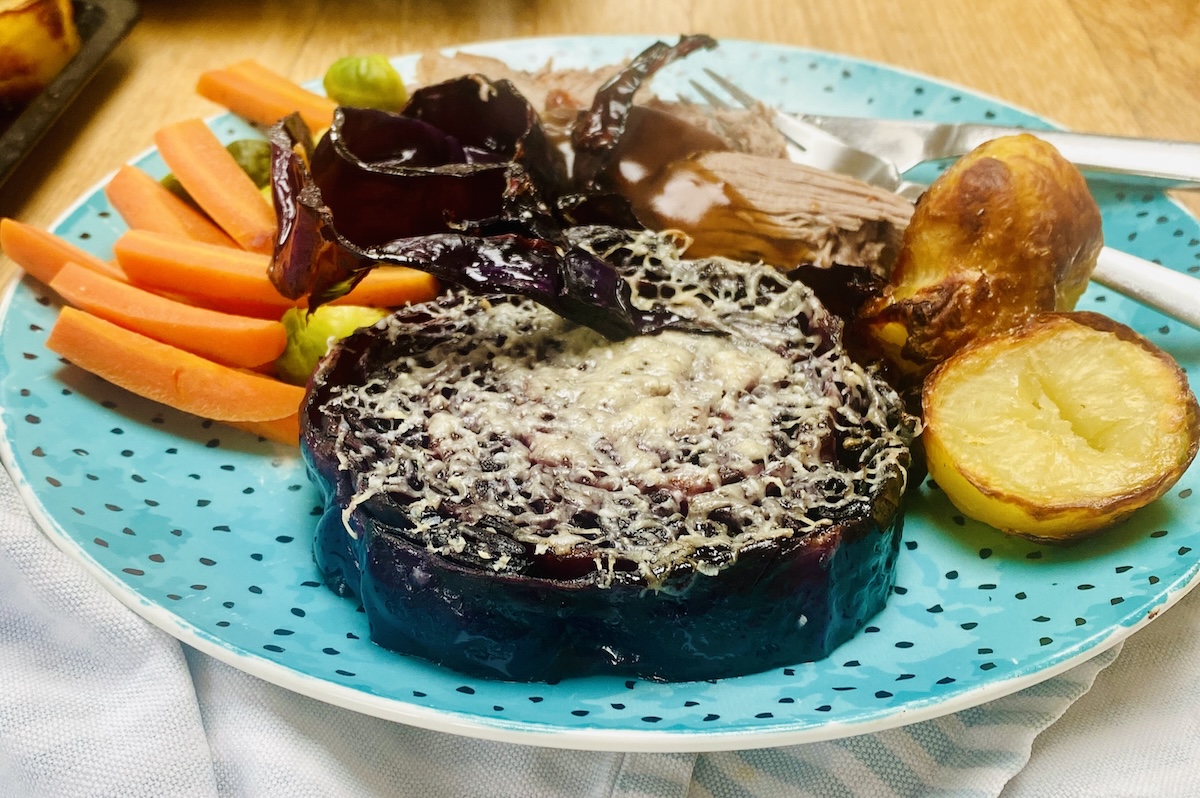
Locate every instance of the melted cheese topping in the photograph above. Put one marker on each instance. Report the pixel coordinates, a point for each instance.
(644, 454)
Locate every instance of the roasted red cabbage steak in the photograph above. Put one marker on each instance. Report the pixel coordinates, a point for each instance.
(514, 495)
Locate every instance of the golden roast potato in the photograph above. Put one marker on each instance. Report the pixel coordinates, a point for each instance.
(37, 39)
(1060, 427)
(1009, 230)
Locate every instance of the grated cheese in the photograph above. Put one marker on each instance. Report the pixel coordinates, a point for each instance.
(647, 455)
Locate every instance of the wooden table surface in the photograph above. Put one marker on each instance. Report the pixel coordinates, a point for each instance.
(1102, 65)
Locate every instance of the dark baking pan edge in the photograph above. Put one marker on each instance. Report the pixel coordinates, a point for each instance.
(102, 25)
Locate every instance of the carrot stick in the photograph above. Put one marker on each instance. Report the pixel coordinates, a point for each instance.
(145, 204)
(235, 341)
(217, 183)
(256, 93)
(221, 278)
(280, 430)
(236, 282)
(168, 374)
(41, 254)
(390, 287)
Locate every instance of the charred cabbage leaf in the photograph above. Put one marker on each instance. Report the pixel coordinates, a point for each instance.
(597, 132)
(313, 258)
(462, 183)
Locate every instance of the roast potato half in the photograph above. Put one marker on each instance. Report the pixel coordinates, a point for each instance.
(1008, 231)
(1060, 427)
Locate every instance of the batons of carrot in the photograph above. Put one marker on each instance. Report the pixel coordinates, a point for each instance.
(256, 93)
(391, 287)
(237, 341)
(221, 278)
(168, 374)
(280, 430)
(42, 254)
(145, 204)
(213, 178)
(236, 282)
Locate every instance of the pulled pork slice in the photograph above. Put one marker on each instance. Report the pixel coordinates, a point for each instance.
(755, 208)
(556, 94)
(742, 130)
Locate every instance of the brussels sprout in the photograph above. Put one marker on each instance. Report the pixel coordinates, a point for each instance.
(367, 81)
(309, 336)
(254, 156)
(171, 183)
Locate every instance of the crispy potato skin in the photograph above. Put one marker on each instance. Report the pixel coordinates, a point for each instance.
(37, 39)
(1008, 231)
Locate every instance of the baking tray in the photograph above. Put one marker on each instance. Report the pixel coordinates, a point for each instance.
(102, 25)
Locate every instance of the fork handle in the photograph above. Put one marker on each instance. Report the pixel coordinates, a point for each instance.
(1173, 293)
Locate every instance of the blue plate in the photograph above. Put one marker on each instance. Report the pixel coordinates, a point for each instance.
(206, 531)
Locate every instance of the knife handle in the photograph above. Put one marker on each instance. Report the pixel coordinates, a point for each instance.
(1176, 163)
(1174, 293)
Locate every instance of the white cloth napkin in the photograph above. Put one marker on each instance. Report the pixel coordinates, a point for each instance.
(96, 702)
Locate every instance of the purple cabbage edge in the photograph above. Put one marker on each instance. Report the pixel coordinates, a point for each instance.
(465, 184)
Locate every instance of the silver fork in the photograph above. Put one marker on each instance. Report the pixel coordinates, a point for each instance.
(812, 146)
(1173, 293)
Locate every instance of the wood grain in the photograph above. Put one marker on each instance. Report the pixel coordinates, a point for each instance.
(1090, 64)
